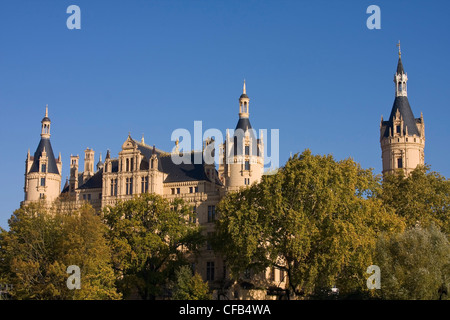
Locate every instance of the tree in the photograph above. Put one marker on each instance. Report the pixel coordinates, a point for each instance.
(150, 239)
(41, 244)
(422, 196)
(188, 286)
(316, 219)
(414, 264)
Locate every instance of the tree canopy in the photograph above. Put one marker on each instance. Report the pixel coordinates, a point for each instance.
(414, 264)
(316, 218)
(150, 237)
(40, 245)
(423, 196)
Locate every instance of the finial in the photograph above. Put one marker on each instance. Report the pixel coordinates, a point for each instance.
(399, 49)
(46, 110)
(244, 91)
(142, 139)
(100, 158)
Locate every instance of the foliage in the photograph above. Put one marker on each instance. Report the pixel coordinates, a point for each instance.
(190, 287)
(40, 245)
(422, 197)
(414, 264)
(150, 238)
(316, 218)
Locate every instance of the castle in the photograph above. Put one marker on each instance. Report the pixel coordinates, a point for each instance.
(141, 168)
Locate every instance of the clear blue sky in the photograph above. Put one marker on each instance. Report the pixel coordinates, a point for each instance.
(313, 70)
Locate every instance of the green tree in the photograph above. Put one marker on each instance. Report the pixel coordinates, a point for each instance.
(190, 287)
(40, 245)
(316, 219)
(150, 238)
(414, 265)
(422, 196)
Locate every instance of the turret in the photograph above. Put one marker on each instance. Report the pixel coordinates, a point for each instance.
(402, 137)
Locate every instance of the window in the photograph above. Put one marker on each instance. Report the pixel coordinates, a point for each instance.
(196, 189)
(247, 181)
(127, 167)
(398, 129)
(191, 189)
(247, 165)
(178, 191)
(100, 196)
(211, 213)
(208, 242)
(129, 186)
(42, 182)
(113, 187)
(210, 270)
(89, 196)
(41, 196)
(399, 163)
(84, 197)
(144, 185)
(43, 167)
(247, 150)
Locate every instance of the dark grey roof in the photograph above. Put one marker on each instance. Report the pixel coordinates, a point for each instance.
(243, 96)
(184, 172)
(45, 119)
(244, 124)
(94, 182)
(402, 105)
(400, 69)
(51, 164)
(175, 173)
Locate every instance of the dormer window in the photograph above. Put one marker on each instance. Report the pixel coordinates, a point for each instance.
(43, 168)
(398, 129)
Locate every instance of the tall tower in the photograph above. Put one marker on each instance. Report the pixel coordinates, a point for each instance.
(43, 170)
(88, 164)
(402, 137)
(242, 154)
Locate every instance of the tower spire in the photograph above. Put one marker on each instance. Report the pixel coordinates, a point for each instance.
(400, 78)
(243, 103)
(45, 125)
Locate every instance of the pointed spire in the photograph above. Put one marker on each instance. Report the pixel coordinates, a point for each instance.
(244, 90)
(400, 69)
(46, 110)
